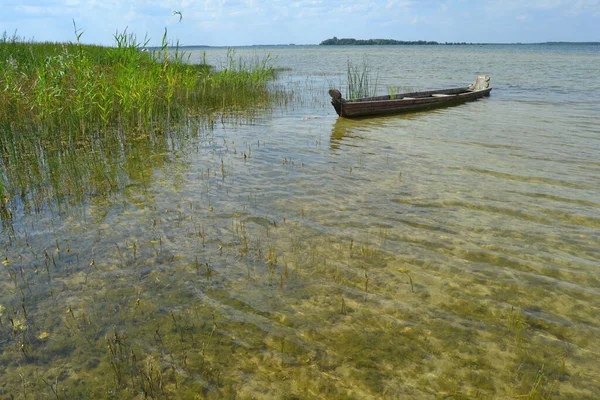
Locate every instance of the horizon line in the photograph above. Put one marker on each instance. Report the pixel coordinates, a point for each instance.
(435, 43)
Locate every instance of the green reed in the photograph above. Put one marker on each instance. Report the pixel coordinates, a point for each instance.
(360, 80)
(78, 120)
(77, 89)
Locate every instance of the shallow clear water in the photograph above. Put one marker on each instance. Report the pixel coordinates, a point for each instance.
(297, 255)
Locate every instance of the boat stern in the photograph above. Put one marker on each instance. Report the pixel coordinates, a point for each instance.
(482, 82)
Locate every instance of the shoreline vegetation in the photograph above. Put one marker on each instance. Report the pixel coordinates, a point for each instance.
(78, 88)
(72, 115)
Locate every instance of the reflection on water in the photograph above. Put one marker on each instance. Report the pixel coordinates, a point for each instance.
(346, 130)
(443, 254)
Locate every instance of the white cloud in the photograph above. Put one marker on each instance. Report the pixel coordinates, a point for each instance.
(591, 7)
(398, 4)
(563, 6)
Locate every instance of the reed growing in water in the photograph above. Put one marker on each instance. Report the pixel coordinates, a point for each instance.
(73, 115)
(360, 80)
(77, 88)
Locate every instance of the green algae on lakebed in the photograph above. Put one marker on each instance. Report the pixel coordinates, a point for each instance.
(162, 298)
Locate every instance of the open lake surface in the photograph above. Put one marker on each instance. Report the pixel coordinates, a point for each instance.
(451, 253)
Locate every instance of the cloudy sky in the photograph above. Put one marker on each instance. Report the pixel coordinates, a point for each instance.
(248, 22)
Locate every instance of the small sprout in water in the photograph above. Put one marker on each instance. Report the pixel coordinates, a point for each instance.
(214, 327)
(5, 262)
(44, 335)
(211, 209)
(93, 263)
(208, 271)
(405, 271)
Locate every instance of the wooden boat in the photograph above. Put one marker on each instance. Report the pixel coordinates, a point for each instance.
(404, 102)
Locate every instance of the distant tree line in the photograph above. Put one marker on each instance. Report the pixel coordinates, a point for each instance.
(370, 42)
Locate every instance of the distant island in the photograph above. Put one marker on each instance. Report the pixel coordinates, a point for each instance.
(371, 42)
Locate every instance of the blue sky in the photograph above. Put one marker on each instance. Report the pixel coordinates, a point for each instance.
(248, 22)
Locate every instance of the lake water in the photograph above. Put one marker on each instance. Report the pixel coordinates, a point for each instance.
(452, 253)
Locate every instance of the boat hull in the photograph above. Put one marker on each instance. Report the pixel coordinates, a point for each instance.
(407, 102)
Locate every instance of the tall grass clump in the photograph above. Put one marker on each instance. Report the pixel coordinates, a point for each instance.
(76, 88)
(72, 115)
(236, 81)
(360, 80)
